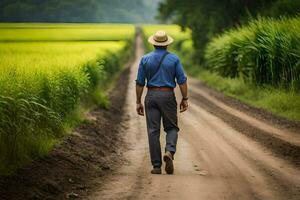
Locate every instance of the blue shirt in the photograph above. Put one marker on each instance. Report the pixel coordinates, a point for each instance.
(170, 69)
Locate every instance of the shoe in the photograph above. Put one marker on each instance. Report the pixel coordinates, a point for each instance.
(156, 170)
(168, 158)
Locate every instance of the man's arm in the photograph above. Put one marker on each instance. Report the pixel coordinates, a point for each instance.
(184, 92)
(183, 88)
(140, 83)
(182, 82)
(139, 106)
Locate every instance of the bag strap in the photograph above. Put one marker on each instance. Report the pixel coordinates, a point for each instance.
(158, 67)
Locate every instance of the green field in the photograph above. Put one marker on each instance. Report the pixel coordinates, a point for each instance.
(49, 71)
(49, 56)
(65, 32)
(46, 72)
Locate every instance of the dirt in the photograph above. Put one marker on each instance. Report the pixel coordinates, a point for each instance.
(226, 150)
(81, 162)
(222, 153)
(286, 147)
(258, 113)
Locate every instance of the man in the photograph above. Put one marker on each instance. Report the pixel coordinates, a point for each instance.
(160, 68)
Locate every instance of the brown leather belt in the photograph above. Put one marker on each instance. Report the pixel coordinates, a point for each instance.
(161, 88)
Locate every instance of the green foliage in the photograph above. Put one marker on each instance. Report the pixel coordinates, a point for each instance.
(283, 7)
(206, 18)
(43, 83)
(264, 52)
(121, 11)
(101, 99)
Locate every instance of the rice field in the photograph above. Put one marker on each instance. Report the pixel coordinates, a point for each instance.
(65, 32)
(46, 72)
(47, 56)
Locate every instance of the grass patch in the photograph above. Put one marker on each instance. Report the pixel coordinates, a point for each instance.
(280, 102)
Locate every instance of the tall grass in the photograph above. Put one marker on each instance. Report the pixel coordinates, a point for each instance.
(266, 51)
(42, 84)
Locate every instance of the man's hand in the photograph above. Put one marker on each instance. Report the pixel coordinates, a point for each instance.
(140, 109)
(183, 105)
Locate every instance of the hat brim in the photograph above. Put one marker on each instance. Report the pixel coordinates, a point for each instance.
(165, 43)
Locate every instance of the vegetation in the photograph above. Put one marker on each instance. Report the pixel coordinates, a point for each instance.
(280, 101)
(67, 32)
(264, 52)
(43, 83)
(121, 11)
(206, 18)
(256, 61)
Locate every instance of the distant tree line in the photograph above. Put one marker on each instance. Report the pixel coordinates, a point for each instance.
(207, 18)
(77, 11)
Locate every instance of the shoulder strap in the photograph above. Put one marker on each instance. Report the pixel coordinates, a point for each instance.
(158, 67)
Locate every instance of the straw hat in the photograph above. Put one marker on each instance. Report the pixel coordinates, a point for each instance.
(160, 38)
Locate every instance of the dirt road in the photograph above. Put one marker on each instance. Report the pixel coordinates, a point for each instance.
(223, 153)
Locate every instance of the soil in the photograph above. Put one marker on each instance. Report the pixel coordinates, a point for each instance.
(286, 147)
(223, 152)
(258, 113)
(226, 150)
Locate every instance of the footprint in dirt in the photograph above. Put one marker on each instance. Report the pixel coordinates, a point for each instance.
(199, 171)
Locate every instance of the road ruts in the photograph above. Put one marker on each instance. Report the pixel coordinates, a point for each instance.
(215, 160)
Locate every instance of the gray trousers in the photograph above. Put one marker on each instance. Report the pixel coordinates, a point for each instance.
(161, 105)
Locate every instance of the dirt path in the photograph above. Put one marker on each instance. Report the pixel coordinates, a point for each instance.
(223, 153)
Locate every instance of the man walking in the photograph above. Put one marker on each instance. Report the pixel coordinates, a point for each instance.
(161, 68)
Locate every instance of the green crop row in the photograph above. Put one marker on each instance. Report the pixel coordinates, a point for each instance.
(43, 83)
(65, 32)
(265, 52)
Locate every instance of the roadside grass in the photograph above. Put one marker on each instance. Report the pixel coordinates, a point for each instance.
(280, 102)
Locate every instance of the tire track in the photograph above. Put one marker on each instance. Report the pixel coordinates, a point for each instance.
(282, 148)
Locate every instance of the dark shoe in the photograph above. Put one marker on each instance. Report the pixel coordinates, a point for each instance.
(156, 170)
(168, 158)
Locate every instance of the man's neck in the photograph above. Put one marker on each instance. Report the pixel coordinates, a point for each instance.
(160, 49)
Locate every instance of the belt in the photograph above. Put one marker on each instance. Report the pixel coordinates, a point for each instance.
(161, 88)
